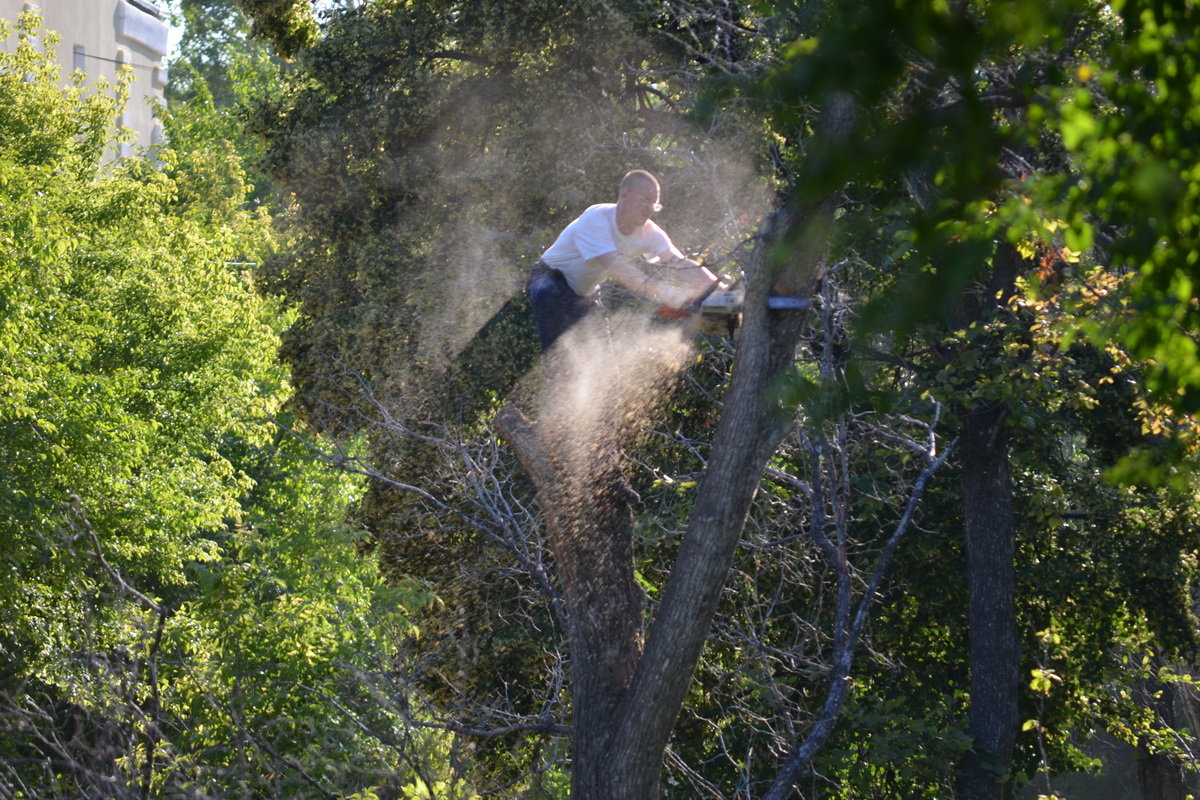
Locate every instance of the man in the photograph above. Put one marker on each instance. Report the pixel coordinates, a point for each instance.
(604, 242)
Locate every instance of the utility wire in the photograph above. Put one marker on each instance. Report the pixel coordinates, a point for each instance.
(86, 54)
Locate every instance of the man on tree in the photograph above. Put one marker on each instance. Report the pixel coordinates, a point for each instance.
(604, 242)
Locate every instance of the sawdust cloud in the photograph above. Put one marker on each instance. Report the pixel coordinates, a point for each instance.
(476, 280)
(714, 195)
(601, 381)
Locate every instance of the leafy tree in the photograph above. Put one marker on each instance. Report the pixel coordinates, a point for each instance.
(185, 611)
(968, 109)
(130, 348)
(373, 172)
(1131, 126)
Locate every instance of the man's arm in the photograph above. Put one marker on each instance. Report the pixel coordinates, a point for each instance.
(632, 278)
(693, 273)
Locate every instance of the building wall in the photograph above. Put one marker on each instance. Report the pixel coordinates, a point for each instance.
(97, 37)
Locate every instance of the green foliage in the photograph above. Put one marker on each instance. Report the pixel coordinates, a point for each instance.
(1112, 85)
(407, 144)
(185, 608)
(892, 746)
(216, 55)
(217, 75)
(1001, 214)
(42, 129)
(1014, 191)
(288, 24)
(424, 180)
(129, 349)
(281, 641)
(1131, 126)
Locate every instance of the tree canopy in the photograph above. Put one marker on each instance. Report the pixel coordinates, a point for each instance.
(934, 535)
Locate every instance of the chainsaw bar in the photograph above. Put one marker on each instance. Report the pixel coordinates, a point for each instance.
(720, 310)
(791, 303)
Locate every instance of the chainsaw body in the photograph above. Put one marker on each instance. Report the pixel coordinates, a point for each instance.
(718, 312)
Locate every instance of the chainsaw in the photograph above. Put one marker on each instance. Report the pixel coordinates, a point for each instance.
(718, 311)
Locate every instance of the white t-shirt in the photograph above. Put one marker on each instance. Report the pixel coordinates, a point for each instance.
(593, 233)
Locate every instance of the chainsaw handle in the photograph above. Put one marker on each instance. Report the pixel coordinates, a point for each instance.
(694, 306)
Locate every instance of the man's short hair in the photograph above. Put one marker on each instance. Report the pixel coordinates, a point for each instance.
(639, 178)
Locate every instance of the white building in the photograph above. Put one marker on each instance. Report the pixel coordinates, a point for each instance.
(100, 36)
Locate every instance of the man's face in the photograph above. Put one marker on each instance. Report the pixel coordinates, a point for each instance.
(637, 204)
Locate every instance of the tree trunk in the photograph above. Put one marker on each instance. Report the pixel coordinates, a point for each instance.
(625, 701)
(591, 536)
(589, 526)
(648, 712)
(990, 531)
(1160, 775)
(995, 650)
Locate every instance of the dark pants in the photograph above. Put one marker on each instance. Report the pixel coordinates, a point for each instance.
(556, 307)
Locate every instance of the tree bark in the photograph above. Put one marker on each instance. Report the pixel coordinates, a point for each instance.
(995, 650)
(589, 526)
(592, 541)
(748, 432)
(625, 701)
(1160, 777)
(990, 532)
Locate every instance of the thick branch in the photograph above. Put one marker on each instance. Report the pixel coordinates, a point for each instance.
(515, 429)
